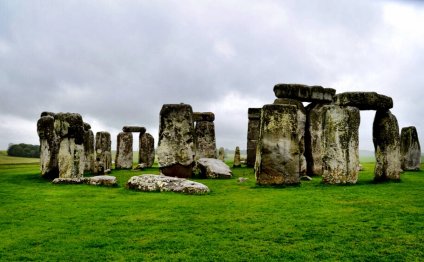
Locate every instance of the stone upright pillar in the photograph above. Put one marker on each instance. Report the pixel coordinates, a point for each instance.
(221, 154)
(387, 146)
(313, 139)
(49, 146)
(89, 148)
(146, 149)
(340, 142)
(69, 128)
(278, 152)
(410, 149)
(237, 161)
(124, 151)
(253, 125)
(204, 133)
(103, 152)
(176, 140)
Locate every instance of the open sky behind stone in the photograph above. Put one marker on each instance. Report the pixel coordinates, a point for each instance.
(117, 62)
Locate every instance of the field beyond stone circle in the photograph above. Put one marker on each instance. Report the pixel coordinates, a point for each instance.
(236, 221)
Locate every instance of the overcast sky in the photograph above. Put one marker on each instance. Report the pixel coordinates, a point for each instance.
(117, 62)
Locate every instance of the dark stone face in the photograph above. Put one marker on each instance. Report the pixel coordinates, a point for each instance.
(364, 100)
(177, 170)
(254, 113)
(410, 149)
(87, 126)
(304, 93)
(70, 125)
(203, 116)
(47, 114)
(135, 129)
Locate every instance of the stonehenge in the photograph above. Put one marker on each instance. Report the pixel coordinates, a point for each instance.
(221, 154)
(146, 153)
(253, 125)
(124, 151)
(237, 160)
(410, 150)
(89, 148)
(204, 135)
(103, 162)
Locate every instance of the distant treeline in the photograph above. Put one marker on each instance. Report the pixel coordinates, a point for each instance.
(24, 150)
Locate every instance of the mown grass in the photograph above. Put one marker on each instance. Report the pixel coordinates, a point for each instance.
(236, 221)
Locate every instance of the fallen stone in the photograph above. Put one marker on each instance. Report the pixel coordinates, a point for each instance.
(410, 149)
(213, 168)
(102, 180)
(124, 151)
(306, 178)
(69, 180)
(364, 100)
(140, 166)
(146, 154)
(242, 179)
(135, 129)
(161, 183)
(203, 116)
(304, 93)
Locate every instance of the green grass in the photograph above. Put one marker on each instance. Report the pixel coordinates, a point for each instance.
(364, 222)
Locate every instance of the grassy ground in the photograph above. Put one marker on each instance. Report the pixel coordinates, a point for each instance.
(365, 222)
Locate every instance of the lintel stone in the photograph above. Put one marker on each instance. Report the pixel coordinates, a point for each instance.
(304, 93)
(364, 100)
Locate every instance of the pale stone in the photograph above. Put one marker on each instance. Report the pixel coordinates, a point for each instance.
(213, 168)
(161, 183)
(410, 149)
(340, 141)
(237, 161)
(313, 139)
(304, 93)
(49, 147)
(204, 133)
(364, 100)
(103, 152)
(176, 140)
(104, 180)
(146, 154)
(124, 151)
(387, 146)
(253, 125)
(279, 146)
(221, 154)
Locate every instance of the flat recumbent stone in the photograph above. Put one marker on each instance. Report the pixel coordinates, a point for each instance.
(304, 93)
(135, 129)
(364, 100)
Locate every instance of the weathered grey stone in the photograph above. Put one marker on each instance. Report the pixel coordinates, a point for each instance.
(146, 154)
(135, 129)
(103, 152)
(242, 179)
(253, 125)
(104, 180)
(176, 140)
(304, 93)
(364, 100)
(89, 148)
(124, 151)
(204, 133)
(313, 139)
(340, 142)
(69, 180)
(237, 162)
(203, 116)
(152, 183)
(221, 154)
(69, 128)
(410, 149)
(279, 146)
(49, 147)
(47, 114)
(213, 168)
(387, 146)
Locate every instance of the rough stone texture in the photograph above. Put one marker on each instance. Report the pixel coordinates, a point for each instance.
(340, 140)
(103, 152)
(69, 128)
(304, 93)
(47, 114)
(237, 160)
(96, 180)
(364, 100)
(124, 151)
(313, 139)
(213, 168)
(203, 116)
(176, 140)
(387, 146)
(89, 148)
(410, 149)
(152, 183)
(146, 147)
(70, 180)
(135, 129)
(221, 154)
(204, 133)
(49, 147)
(279, 146)
(253, 125)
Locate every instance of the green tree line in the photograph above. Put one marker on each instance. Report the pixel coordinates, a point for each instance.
(24, 150)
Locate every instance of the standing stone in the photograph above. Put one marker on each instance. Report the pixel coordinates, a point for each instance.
(89, 148)
(253, 125)
(103, 152)
(49, 147)
(340, 141)
(124, 151)
(313, 139)
(146, 154)
(204, 133)
(410, 149)
(69, 128)
(221, 154)
(176, 140)
(237, 161)
(387, 146)
(278, 153)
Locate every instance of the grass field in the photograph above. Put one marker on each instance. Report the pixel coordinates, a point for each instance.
(364, 222)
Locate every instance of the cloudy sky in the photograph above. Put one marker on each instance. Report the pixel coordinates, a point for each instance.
(117, 62)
